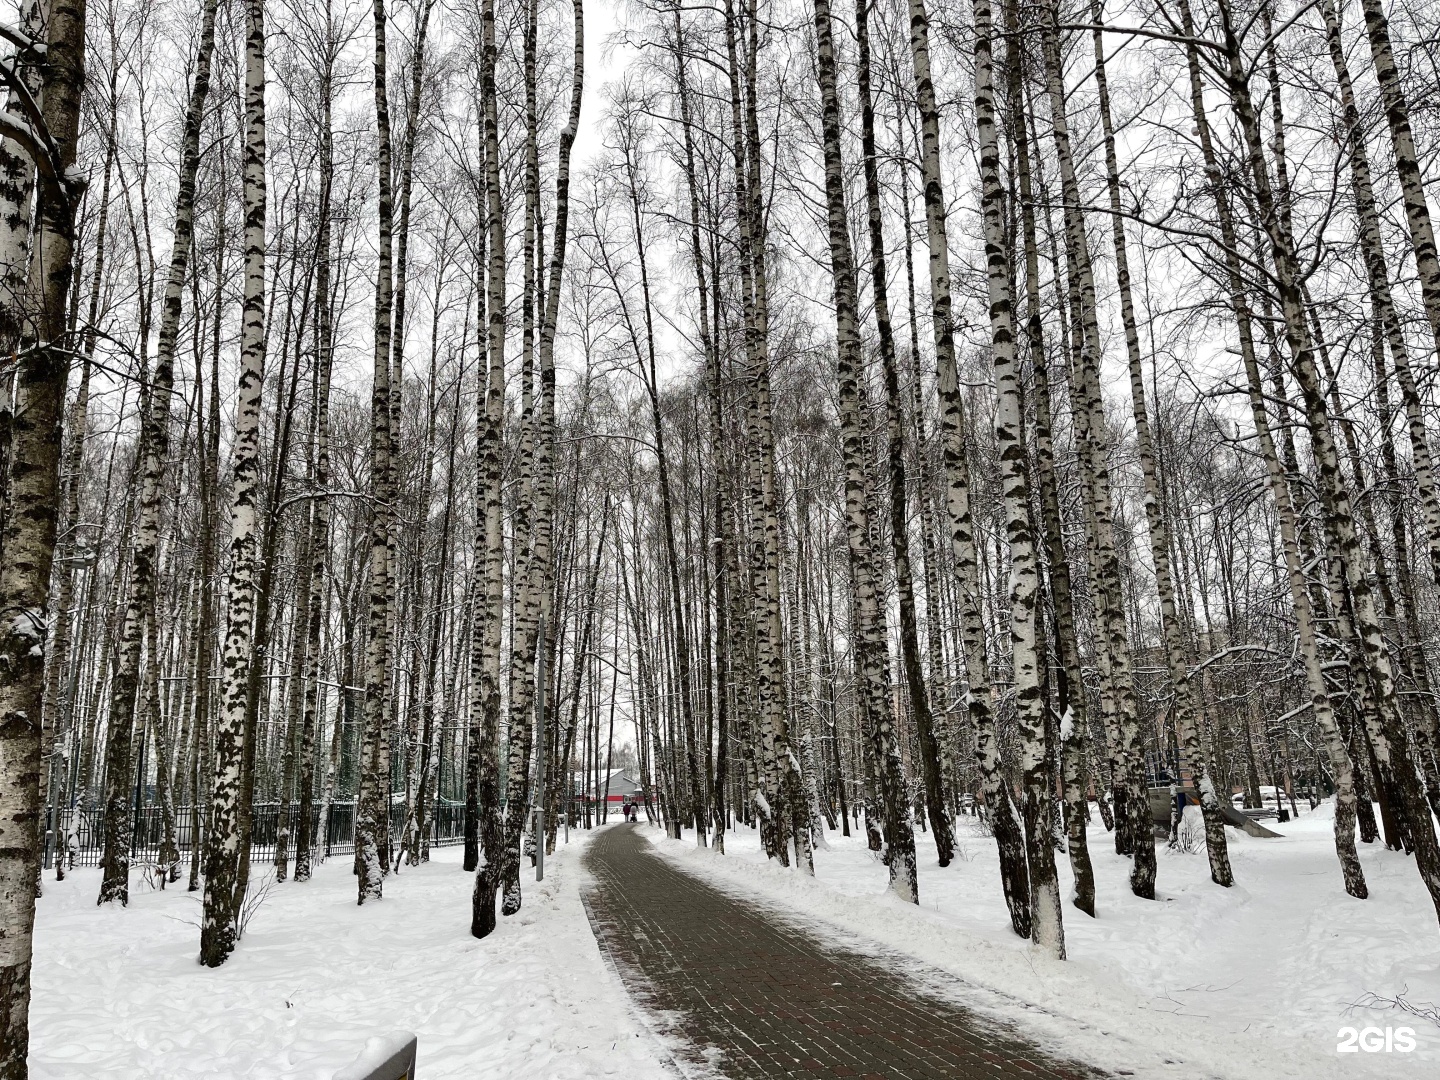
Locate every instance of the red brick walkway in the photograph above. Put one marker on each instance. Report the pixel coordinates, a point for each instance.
(761, 1000)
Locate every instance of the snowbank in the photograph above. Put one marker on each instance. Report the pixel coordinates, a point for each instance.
(118, 992)
(1250, 982)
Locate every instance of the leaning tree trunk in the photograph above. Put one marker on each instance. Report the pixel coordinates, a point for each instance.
(1393, 760)
(1372, 246)
(1407, 166)
(1345, 779)
(1321, 705)
(220, 926)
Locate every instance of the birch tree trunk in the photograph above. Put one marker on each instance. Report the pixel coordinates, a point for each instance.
(871, 639)
(154, 451)
(1372, 248)
(311, 720)
(790, 815)
(1340, 523)
(925, 727)
(766, 795)
(539, 578)
(17, 191)
(1009, 838)
(1071, 685)
(485, 646)
(1186, 721)
(1087, 408)
(1407, 169)
(1047, 928)
(220, 926)
(373, 799)
(667, 516)
(29, 528)
(65, 654)
(208, 452)
(1289, 534)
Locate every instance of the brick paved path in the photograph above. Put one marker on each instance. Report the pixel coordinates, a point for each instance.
(760, 1000)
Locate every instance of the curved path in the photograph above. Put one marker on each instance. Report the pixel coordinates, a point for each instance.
(756, 999)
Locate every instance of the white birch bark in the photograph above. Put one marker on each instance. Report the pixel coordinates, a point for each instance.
(1073, 726)
(154, 452)
(1088, 412)
(1014, 874)
(29, 529)
(372, 801)
(220, 925)
(1046, 927)
(485, 646)
(871, 637)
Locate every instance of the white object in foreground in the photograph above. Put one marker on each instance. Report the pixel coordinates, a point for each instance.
(385, 1057)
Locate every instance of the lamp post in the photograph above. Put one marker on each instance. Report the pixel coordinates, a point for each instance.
(540, 751)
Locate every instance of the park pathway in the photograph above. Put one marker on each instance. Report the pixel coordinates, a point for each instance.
(755, 998)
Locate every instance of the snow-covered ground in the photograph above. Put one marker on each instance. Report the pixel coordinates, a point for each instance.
(118, 992)
(1250, 982)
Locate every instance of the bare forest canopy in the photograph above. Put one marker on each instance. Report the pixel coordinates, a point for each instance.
(871, 413)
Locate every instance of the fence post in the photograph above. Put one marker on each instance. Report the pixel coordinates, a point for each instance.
(50, 818)
(540, 744)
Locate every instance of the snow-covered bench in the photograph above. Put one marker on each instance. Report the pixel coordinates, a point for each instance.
(385, 1057)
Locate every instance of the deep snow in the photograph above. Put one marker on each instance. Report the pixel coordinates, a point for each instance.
(118, 992)
(1251, 982)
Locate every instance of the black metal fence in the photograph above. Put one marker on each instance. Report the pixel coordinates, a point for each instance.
(82, 830)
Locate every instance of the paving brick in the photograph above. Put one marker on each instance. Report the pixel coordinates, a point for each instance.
(758, 999)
